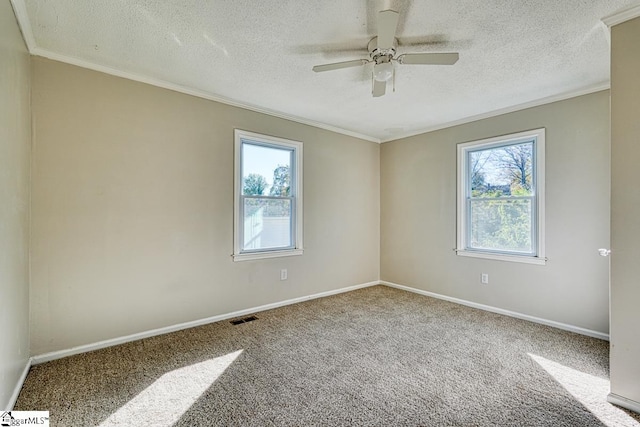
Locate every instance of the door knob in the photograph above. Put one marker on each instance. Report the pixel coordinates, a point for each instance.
(604, 252)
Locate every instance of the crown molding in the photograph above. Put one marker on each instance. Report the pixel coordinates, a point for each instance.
(622, 15)
(22, 17)
(512, 109)
(36, 51)
(20, 10)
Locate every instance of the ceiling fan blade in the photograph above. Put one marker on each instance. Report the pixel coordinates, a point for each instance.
(339, 65)
(378, 88)
(387, 24)
(429, 58)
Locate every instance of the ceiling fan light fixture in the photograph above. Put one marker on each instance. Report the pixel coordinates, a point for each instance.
(383, 71)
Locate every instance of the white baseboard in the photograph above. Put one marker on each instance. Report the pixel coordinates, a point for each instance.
(564, 326)
(19, 384)
(46, 357)
(632, 405)
(42, 358)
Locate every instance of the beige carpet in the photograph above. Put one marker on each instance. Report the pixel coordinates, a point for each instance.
(374, 357)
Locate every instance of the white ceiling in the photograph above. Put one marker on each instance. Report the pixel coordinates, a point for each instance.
(259, 53)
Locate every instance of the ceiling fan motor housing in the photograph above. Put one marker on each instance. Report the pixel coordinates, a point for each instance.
(380, 56)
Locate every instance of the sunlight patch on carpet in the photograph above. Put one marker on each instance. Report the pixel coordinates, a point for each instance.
(170, 396)
(590, 390)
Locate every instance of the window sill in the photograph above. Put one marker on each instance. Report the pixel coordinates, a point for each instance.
(267, 254)
(502, 257)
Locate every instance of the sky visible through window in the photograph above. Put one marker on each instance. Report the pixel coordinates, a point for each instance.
(487, 163)
(501, 166)
(261, 160)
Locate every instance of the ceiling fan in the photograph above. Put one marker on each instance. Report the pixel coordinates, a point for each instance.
(382, 54)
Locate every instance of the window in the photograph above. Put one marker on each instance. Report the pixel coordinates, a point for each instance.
(501, 198)
(268, 197)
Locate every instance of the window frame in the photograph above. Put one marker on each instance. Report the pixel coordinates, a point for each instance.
(240, 137)
(463, 191)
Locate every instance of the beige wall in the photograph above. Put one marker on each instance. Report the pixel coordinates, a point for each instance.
(625, 211)
(418, 216)
(15, 145)
(133, 210)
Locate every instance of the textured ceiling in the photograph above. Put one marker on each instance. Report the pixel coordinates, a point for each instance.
(259, 53)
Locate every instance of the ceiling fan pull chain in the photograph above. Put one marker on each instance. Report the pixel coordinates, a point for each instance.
(394, 79)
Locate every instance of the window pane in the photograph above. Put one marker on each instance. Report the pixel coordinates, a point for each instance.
(266, 171)
(501, 225)
(502, 171)
(267, 223)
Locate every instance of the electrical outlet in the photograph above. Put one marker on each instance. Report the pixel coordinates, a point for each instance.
(283, 274)
(484, 278)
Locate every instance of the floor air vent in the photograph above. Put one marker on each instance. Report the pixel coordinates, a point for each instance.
(245, 320)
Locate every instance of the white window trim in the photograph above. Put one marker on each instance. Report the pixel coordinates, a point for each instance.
(238, 254)
(462, 174)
